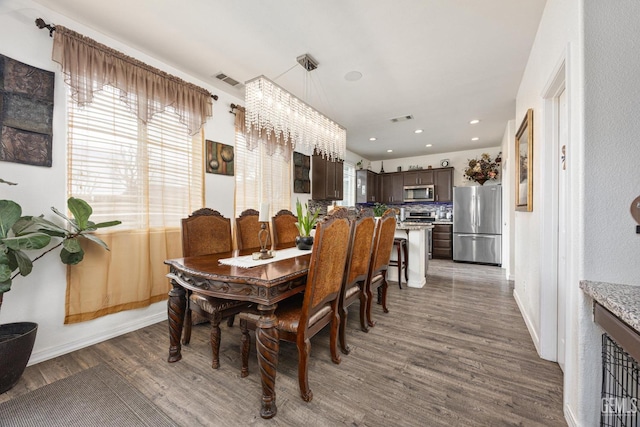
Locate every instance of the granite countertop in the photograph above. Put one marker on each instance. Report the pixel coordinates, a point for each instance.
(621, 300)
(413, 226)
(443, 221)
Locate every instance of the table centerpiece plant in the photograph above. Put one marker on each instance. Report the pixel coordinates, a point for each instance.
(19, 234)
(306, 221)
(483, 169)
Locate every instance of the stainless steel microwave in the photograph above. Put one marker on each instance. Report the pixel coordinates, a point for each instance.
(419, 193)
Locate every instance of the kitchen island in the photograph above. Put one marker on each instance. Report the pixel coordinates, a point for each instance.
(417, 235)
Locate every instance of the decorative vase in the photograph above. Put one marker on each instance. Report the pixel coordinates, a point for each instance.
(481, 181)
(304, 242)
(16, 344)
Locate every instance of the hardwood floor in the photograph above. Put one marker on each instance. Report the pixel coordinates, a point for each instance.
(454, 353)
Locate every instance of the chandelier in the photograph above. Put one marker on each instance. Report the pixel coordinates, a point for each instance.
(279, 119)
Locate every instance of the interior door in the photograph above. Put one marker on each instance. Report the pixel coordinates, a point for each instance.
(563, 194)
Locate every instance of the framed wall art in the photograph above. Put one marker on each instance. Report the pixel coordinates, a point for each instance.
(219, 158)
(26, 113)
(524, 164)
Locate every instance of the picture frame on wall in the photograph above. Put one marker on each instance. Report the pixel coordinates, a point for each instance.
(524, 164)
(219, 158)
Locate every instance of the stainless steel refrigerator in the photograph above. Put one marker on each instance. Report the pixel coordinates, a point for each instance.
(477, 224)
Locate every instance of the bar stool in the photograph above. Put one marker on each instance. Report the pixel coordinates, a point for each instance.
(402, 261)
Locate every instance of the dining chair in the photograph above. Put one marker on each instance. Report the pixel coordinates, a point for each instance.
(205, 232)
(377, 275)
(356, 272)
(297, 322)
(247, 229)
(284, 227)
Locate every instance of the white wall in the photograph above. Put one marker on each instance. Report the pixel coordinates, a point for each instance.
(40, 297)
(459, 160)
(558, 38)
(599, 43)
(508, 201)
(611, 178)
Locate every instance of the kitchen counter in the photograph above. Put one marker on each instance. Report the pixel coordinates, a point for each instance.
(417, 235)
(621, 300)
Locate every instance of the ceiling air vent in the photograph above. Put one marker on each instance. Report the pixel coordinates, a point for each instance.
(227, 79)
(401, 119)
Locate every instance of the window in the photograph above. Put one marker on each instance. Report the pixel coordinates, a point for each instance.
(349, 190)
(144, 175)
(261, 178)
(148, 176)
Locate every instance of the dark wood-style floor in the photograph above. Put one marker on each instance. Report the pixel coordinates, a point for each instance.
(454, 353)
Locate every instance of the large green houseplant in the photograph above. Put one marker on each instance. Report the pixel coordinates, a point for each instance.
(19, 234)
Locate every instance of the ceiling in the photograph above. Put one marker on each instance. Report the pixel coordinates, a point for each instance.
(443, 62)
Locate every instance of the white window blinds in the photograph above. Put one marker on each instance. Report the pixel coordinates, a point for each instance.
(146, 175)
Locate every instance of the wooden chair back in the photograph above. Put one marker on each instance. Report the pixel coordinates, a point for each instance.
(284, 227)
(385, 231)
(327, 267)
(205, 232)
(247, 229)
(356, 273)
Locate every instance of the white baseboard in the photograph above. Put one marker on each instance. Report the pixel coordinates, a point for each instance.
(527, 321)
(51, 352)
(569, 417)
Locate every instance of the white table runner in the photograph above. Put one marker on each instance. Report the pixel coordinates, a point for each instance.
(247, 261)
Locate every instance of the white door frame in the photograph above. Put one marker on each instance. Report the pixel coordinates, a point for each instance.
(550, 161)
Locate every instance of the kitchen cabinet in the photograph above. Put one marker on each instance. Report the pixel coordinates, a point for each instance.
(442, 237)
(327, 178)
(367, 190)
(392, 187)
(443, 184)
(419, 177)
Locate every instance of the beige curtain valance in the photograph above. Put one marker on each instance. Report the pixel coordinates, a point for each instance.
(89, 66)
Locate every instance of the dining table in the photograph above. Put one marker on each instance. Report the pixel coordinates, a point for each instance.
(236, 275)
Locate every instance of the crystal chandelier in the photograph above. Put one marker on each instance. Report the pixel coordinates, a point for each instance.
(278, 118)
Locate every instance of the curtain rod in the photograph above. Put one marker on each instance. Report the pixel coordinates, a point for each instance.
(41, 24)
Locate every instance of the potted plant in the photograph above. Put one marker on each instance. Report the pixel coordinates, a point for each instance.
(19, 234)
(306, 221)
(379, 209)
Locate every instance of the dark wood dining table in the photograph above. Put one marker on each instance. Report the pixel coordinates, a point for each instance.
(265, 285)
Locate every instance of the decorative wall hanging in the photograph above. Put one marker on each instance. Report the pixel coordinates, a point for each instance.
(219, 158)
(301, 166)
(524, 166)
(26, 113)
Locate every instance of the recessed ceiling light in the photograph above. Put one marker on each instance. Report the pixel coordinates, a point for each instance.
(418, 131)
(353, 76)
(389, 151)
(429, 145)
(475, 138)
(474, 122)
(372, 139)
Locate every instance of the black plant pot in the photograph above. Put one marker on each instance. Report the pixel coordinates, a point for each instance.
(304, 242)
(16, 343)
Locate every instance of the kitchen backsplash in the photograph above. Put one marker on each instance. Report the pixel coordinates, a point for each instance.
(409, 207)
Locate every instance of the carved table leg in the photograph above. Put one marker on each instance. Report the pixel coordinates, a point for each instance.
(268, 346)
(176, 306)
